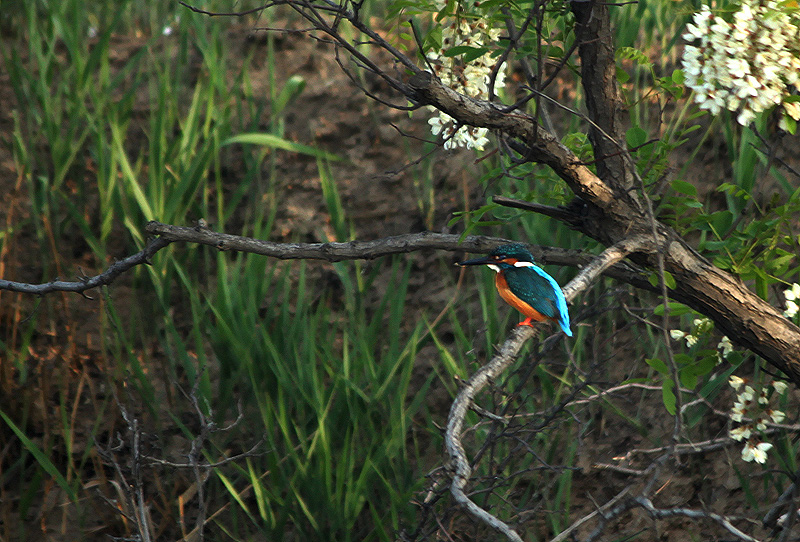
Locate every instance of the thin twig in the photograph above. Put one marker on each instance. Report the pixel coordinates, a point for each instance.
(87, 283)
(661, 513)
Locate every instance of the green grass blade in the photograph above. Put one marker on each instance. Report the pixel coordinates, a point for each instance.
(275, 142)
(41, 458)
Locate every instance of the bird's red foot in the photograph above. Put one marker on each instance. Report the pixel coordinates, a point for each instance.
(526, 322)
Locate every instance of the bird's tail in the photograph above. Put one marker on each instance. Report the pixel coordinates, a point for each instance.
(563, 321)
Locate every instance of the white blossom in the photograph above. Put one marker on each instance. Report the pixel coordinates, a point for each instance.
(472, 79)
(738, 411)
(749, 64)
(793, 293)
(736, 382)
(677, 334)
(792, 296)
(776, 415)
(780, 386)
(740, 433)
(756, 452)
(703, 325)
(727, 347)
(793, 109)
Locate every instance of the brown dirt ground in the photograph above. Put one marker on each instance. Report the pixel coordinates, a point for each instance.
(376, 193)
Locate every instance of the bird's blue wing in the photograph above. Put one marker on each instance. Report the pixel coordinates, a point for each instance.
(541, 291)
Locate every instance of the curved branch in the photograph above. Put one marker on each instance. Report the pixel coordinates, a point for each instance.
(661, 513)
(87, 283)
(455, 421)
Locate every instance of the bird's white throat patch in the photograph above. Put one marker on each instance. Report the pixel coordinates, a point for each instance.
(494, 268)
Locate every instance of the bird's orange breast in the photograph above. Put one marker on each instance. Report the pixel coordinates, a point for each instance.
(509, 297)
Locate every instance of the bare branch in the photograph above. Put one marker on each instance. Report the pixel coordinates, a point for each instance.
(661, 513)
(330, 252)
(103, 279)
(452, 439)
(600, 511)
(787, 499)
(609, 257)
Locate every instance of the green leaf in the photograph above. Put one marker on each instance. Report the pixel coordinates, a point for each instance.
(635, 137)
(636, 55)
(721, 221)
(670, 280)
(706, 364)
(688, 378)
(291, 90)
(668, 396)
(658, 365)
(790, 123)
(780, 265)
(467, 53)
(275, 142)
(41, 458)
(682, 187)
(682, 359)
(715, 245)
(675, 309)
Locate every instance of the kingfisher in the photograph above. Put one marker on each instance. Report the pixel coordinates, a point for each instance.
(525, 286)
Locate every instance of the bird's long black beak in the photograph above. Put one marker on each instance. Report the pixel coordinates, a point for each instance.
(477, 261)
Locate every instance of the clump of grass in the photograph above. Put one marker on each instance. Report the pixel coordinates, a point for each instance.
(333, 400)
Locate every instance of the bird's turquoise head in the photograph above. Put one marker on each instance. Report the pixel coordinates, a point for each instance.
(503, 257)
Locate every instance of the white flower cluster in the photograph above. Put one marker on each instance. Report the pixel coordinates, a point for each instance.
(748, 64)
(702, 326)
(471, 79)
(757, 408)
(792, 296)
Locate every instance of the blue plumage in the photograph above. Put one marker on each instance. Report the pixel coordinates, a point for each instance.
(525, 286)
